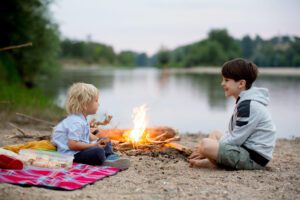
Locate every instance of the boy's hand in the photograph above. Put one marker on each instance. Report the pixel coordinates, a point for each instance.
(93, 123)
(94, 131)
(100, 145)
(102, 142)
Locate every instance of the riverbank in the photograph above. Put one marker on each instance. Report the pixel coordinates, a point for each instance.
(16, 98)
(285, 71)
(168, 176)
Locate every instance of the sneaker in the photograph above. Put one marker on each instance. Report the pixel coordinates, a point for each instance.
(121, 163)
(113, 157)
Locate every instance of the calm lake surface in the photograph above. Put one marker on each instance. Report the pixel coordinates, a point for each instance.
(189, 102)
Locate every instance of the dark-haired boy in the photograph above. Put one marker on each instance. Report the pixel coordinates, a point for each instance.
(250, 140)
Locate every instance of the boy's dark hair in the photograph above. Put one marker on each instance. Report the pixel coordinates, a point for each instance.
(240, 69)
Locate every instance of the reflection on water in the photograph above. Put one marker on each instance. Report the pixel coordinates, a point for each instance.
(208, 84)
(188, 102)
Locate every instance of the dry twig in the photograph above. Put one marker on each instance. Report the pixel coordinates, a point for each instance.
(26, 135)
(16, 46)
(36, 119)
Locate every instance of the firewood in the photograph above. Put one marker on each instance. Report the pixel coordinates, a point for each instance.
(161, 133)
(113, 134)
(176, 138)
(164, 141)
(154, 134)
(159, 137)
(187, 151)
(124, 146)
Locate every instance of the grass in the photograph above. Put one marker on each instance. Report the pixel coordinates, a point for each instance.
(17, 98)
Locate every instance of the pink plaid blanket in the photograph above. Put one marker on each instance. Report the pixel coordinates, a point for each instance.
(76, 177)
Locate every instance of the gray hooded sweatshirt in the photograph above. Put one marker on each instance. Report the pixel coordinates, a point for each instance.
(251, 124)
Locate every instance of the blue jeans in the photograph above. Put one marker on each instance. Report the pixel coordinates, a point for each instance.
(94, 155)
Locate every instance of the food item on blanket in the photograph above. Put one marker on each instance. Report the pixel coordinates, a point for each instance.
(95, 124)
(8, 162)
(46, 159)
(9, 153)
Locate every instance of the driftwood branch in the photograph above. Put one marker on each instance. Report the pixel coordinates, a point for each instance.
(35, 119)
(16, 46)
(26, 135)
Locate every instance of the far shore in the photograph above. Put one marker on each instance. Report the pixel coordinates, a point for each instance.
(281, 71)
(289, 71)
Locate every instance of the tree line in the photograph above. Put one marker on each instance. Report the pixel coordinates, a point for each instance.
(89, 52)
(31, 21)
(219, 47)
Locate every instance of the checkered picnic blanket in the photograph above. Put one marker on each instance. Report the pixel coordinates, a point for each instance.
(76, 177)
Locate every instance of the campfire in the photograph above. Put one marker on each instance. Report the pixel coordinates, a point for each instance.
(143, 138)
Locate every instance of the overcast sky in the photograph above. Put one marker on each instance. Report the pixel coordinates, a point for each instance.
(146, 25)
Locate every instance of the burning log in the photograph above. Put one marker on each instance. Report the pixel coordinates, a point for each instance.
(156, 134)
(141, 138)
(162, 138)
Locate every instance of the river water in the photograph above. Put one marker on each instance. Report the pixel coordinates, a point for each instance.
(189, 102)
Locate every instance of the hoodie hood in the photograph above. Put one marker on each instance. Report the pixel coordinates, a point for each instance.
(260, 95)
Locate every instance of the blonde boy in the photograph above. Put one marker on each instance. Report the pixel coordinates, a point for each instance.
(72, 135)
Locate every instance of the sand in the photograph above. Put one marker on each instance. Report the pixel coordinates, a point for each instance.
(166, 175)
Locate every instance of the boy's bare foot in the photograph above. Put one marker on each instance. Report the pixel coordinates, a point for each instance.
(203, 163)
(196, 154)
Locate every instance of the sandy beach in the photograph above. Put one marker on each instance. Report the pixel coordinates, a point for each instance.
(166, 175)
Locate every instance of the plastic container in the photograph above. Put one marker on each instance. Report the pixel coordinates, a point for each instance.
(47, 159)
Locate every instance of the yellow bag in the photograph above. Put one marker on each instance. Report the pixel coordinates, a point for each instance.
(41, 145)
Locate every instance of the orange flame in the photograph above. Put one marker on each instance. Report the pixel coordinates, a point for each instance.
(140, 124)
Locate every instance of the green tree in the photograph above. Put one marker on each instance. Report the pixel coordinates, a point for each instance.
(126, 58)
(220, 47)
(87, 52)
(141, 59)
(247, 46)
(27, 21)
(294, 52)
(163, 57)
(228, 43)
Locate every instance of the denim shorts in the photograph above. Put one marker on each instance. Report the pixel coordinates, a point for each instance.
(235, 157)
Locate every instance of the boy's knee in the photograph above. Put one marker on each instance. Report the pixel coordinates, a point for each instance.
(215, 135)
(209, 146)
(205, 144)
(99, 153)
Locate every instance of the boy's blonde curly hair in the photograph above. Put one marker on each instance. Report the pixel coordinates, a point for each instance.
(79, 96)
